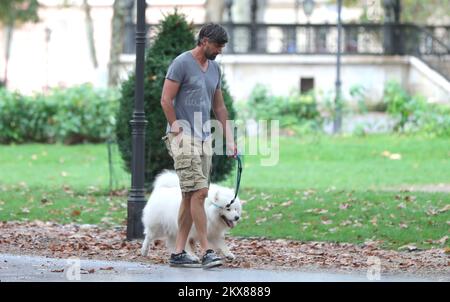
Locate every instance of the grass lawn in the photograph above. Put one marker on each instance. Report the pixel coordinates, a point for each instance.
(323, 188)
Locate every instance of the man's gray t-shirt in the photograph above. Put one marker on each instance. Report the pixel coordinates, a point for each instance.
(196, 93)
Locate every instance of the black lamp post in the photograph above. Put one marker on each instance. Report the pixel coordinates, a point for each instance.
(136, 196)
(229, 4)
(253, 30)
(337, 122)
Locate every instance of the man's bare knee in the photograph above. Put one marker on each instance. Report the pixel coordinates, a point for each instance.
(200, 194)
(187, 196)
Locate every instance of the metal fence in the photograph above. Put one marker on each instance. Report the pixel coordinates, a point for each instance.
(429, 43)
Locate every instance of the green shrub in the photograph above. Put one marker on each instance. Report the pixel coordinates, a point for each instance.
(402, 106)
(414, 114)
(24, 119)
(174, 37)
(74, 115)
(84, 114)
(435, 120)
(296, 111)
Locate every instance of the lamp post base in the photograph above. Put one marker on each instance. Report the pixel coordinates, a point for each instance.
(135, 229)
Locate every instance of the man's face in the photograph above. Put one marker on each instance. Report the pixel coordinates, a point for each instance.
(212, 49)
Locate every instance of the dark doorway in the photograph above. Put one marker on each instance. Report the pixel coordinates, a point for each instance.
(306, 85)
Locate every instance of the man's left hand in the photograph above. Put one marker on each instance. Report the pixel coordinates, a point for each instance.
(232, 150)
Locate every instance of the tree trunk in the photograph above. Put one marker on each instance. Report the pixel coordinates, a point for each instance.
(9, 34)
(117, 38)
(214, 10)
(90, 33)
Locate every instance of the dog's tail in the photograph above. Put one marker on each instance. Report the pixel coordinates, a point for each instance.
(166, 179)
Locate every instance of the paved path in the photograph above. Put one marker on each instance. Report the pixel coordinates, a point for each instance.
(31, 268)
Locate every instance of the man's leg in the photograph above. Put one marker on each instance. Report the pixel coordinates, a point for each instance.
(199, 216)
(184, 222)
(209, 259)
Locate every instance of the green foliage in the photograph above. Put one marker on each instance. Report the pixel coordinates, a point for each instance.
(74, 115)
(435, 120)
(420, 11)
(174, 36)
(357, 92)
(296, 111)
(23, 119)
(414, 114)
(401, 105)
(84, 114)
(21, 11)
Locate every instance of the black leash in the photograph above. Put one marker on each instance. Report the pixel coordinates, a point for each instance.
(238, 183)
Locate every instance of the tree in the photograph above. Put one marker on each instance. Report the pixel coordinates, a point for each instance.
(90, 33)
(117, 39)
(214, 10)
(415, 11)
(13, 13)
(174, 36)
(425, 12)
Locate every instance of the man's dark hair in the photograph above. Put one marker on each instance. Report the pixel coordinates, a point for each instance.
(214, 33)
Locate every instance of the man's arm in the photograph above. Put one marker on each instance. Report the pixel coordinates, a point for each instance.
(169, 92)
(221, 113)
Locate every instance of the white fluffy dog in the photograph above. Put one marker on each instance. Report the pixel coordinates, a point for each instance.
(160, 215)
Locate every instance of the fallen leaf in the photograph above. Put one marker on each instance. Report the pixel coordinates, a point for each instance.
(326, 221)
(57, 270)
(409, 248)
(261, 220)
(25, 210)
(445, 209)
(410, 198)
(75, 213)
(395, 156)
(431, 212)
(346, 222)
(374, 221)
(317, 211)
(277, 216)
(386, 153)
(344, 206)
(107, 268)
(443, 240)
(287, 203)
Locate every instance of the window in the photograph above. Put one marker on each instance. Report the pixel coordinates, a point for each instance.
(306, 85)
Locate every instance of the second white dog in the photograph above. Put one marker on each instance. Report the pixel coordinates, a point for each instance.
(160, 215)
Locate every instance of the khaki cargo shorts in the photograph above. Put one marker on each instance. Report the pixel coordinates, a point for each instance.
(192, 160)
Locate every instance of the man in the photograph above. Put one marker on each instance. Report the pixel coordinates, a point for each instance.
(191, 89)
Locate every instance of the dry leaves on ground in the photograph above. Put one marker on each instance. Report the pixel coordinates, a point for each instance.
(91, 242)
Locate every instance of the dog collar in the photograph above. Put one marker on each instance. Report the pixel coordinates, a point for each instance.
(215, 204)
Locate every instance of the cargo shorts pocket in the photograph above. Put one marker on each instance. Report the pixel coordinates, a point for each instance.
(183, 168)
